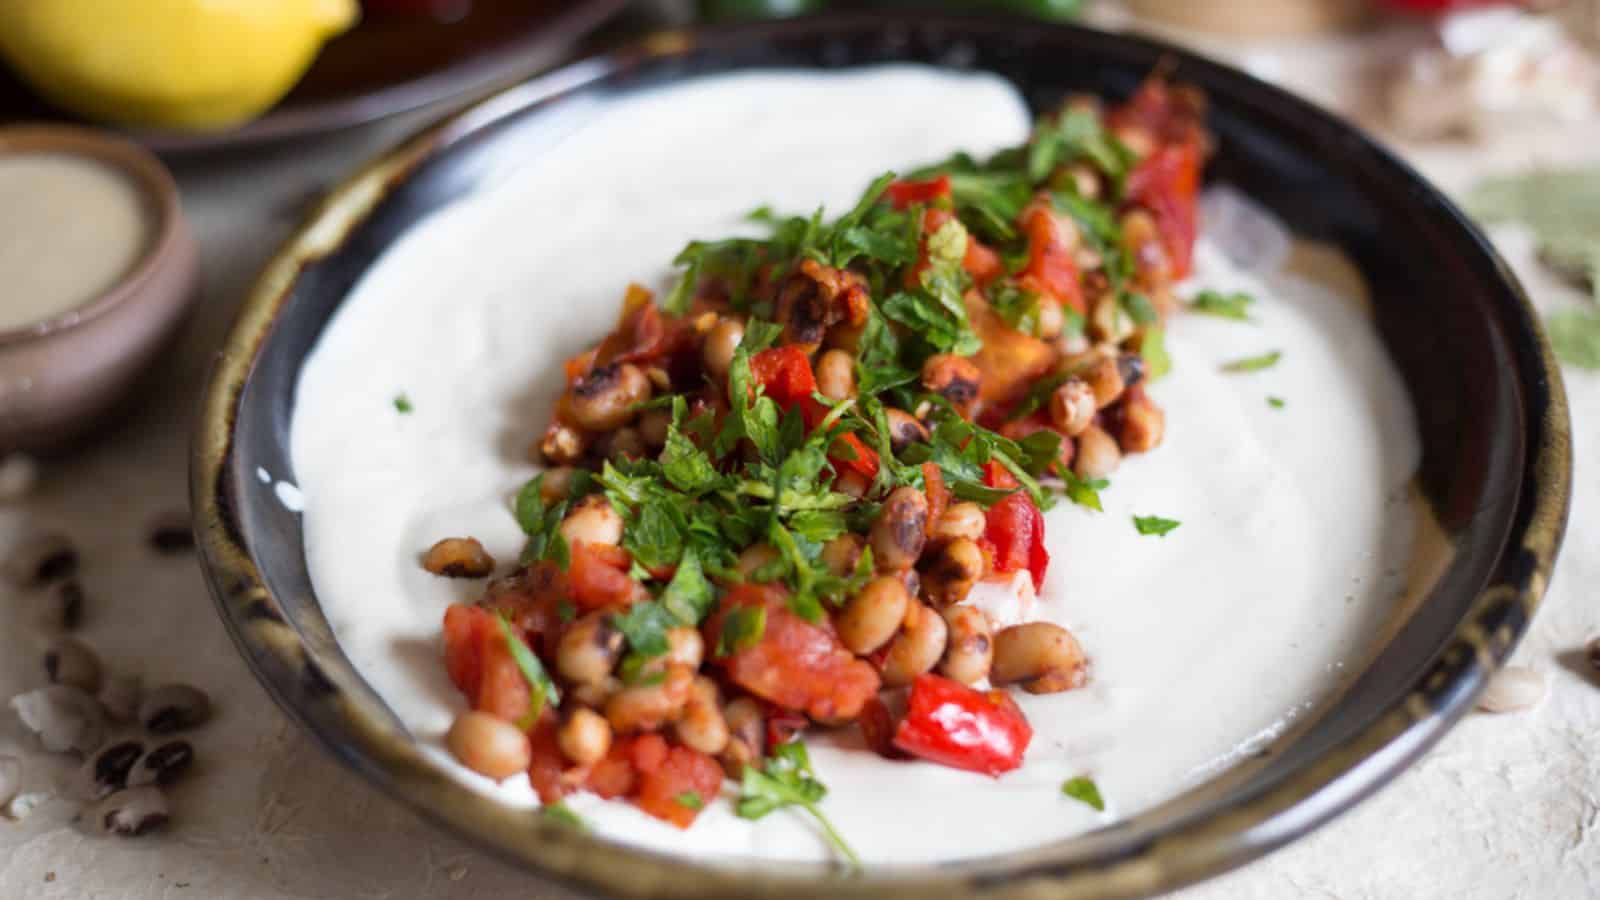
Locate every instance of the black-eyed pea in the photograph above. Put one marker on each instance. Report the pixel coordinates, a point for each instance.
(488, 745)
(71, 662)
(1104, 378)
(900, 531)
(1097, 454)
(131, 812)
(174, 707)
(1051, 320)
(593, 694)
(720, 344)
(585, 737)
(162, 765)
(1072, 406)
(590, 649)
(604, 398)
(556, 484)
(701, 725)
(756, 557)
(623, 443)
(685, 647)
(873, 616)
(969, 652)
(562, 445)
(653, 427)
(747, 735)
(593, 522)
(917, 648)
(1143, 424)
(955, 568)
(458, 558)
(853, 483)
(842, 553)
(1041, 656)
(904, 429)
(960, 520)
(955, 378)
(645, 707)
(836, 375)
(106, 771)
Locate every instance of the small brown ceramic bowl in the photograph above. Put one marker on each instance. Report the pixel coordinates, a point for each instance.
(60, 375)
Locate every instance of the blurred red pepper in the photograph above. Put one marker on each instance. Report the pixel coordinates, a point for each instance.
(954, 725)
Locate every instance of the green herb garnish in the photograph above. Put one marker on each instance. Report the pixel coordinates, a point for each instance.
(1276, 402)
(1254, 363)
(1155, 525)
(562, 814)
(1234, 306)
(741, 629)
(1084, 790)
(787, 780)
(690, 800)
(542, 689)
(402, 404)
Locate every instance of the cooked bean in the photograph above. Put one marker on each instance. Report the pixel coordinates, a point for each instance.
(960, 520)
(747, 735)
(171, 532)
(953, 377)
(845, 336)
(1043, 657)
(458, 558)
(39, 559)
(873, 615)
(1072, 406)
(645, 707)
(1108, 322)
(1051, 320)
(1137, 139)
(557, 484)
(106, 771)
(970, 649)
(1130, 366)
(488, 745)
(803, 310)
(918, 647)
(1143, 424)
(904, 429)
(65, 718)
(72, 662)
(1085, 180)
(836, 375)
(1098, 455)
(174, 707)
(853, 483)
(561, 445)
(163, 765)
(605, 397)
(593, 522)
(592, 694)
(912, 579)
(653, 427)
(685, 647)
(1104, 378)
(589, 650)
(585, 737)
(755, 558)
(660, 379)
(120, 696)
(624, 443)
(701, 726)
(900, 530)
(842, 553)
(955, 568)
(131, 812)
(720, 344)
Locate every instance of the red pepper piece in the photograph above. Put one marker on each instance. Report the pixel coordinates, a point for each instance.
(1016, 531)
(904, 193)
(954, 725)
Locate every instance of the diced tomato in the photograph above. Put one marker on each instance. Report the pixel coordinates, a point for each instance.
(938, 494)
(863, 461)
(679, 786)
(548, 762)
(997, 476)
(598, 575)
(783, 726)
(579, 366)
(980, 261)
(647, 752)
(614, 775)
(644, 335)
(480, 663)
(1016, 531)
(877, 729)
(785, 373)
(954, 725)
(794, 664)
(532, 599)
(1167, 183)
(1052, 269)
(1039, 421)
(904, 193)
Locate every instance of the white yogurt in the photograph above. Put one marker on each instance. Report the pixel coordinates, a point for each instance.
(1296, 523)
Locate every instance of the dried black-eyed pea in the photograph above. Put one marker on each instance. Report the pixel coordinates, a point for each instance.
(970, 649)
(120, 696)
(720, 343)
(873, 615)
(1043, 657)
(1072, 406)
(106, 771)
(458, 558)
(605, 398)
(170, 532)
(40, 559)
(645, 707)
(904, 429)
(66, 719)
(917, 648)
(594, 521)
(131, 812)
(590, 649)
(900, 531)
(174, 707)
(701, 725)
(71, 662)
(746, 736)
(163, 765)
(954, 569)
(487, 745)
(1143, 424)
(585, 737)
(561, 445)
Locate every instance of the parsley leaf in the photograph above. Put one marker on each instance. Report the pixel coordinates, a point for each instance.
(1075, 135)
(1575, 335)
(788, 780)
(1234, 306)
(645, 626)
(741, 629)
(1153, 347)
(1084, 790)
(687, 466)
(542, 689)
(1276, 402)
(689, 596)
(690, 800)
(1139, 308)
(1085, 492)
(1254, 363)
(1155, 525)
(562, 814)
(402, 404)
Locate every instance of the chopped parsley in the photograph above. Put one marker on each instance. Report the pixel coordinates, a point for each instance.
(1276, 402)
(1234, 306)
(1085, 491)
(787, 780)
(402, 404)
(690, 800)
(741, 629)
(1153, 347)
(1084, 790)
(1254, 363)
(1155, 525)
(562, 814)
(541, 688)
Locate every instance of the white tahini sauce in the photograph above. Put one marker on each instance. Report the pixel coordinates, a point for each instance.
(1296, 527)
(70, 229)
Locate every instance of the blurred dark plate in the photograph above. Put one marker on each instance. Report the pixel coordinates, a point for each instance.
(386, 65)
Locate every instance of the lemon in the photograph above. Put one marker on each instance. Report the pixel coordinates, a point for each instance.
(180, 64)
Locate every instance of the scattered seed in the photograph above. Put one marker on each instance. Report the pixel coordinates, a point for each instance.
(1512, 689)
(163, 765)
(64, 717)
(106, 772)
(120, 697)
(10, 779)
(18, 474)
(458, 558)
(132, 812)
(171, 533)
(71, 662)
(40, 559)
(174, 707)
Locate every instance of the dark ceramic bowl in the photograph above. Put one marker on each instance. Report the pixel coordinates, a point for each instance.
(1493, 421)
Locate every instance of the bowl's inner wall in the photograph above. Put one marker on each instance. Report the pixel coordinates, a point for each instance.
(1446, 317)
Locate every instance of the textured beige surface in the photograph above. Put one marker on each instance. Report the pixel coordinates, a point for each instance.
(1507, 806)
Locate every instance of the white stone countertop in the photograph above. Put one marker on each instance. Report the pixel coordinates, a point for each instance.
(1507, 806)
